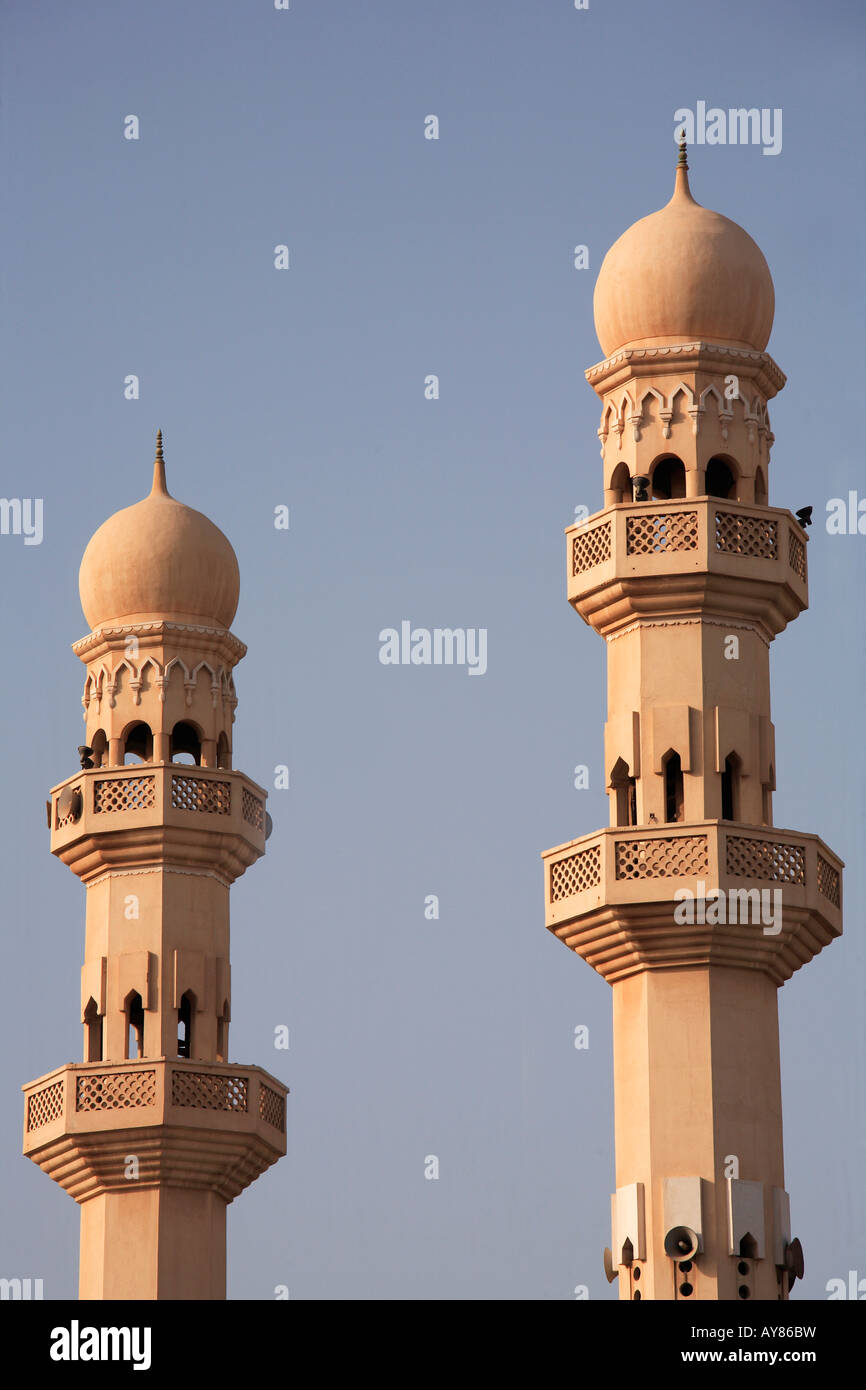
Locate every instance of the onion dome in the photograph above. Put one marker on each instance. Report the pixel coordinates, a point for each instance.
(684, 274)
(159, 559)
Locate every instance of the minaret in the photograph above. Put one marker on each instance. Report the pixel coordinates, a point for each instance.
(155, 1132)
(692, 904)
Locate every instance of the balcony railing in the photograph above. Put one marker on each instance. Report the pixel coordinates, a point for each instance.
(622, 865)
(689, 533)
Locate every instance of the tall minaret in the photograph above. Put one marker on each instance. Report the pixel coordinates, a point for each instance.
(692, 905)
(155, 1132)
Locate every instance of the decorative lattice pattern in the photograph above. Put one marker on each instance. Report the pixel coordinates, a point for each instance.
(590, 548)
(797, 555)
(201, 1090)
(746, 535)
(272, 1108)
(45, 1106)
(766, 859)
(252, 810)
(655, 532)
(124, 793)
(197, 794)
(115, 1090)
(680, 856)
(828, 882)
(575, 873)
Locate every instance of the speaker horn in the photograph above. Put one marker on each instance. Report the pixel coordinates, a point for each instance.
(609, 1272)
(794, 1259)
(681, 1243)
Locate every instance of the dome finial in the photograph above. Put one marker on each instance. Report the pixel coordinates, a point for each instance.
(681, 183)
(159, 484)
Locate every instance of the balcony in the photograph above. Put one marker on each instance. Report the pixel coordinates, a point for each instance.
(692, 555)
(610, 896)
(189, 1124)
(142, 814)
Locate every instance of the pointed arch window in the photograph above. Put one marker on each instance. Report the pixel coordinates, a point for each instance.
(624, 789)
(672, 771)
(185, 1015)
(92, 1032)
(134, 1026)
(731, 788)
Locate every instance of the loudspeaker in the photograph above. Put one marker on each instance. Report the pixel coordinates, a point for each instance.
(609, 1272)
(681, 1243)
(794, 1259)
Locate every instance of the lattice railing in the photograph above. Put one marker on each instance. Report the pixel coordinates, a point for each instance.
(679, 856)
(115, 1090)
(45, 1106)
(829, 882)
(654, 533)
(272, 1108)
(575, 873)
(252, 810)
(200, 794)
(201, 1090)
(124, 793)
(797, 555)
(772, 860)
(589, 548)
(737, 534)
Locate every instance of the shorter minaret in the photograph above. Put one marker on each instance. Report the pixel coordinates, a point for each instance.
(155, 1132)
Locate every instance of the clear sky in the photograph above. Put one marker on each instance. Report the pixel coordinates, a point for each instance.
(305, 387)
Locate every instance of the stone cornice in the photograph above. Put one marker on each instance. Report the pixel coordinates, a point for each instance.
(159, 631)
(687, 356)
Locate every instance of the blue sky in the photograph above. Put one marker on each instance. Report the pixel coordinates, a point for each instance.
(306, 387)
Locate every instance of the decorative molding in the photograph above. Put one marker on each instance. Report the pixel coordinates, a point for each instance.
(672, 351)
(156, 869)
(157, 627)
(639, 623)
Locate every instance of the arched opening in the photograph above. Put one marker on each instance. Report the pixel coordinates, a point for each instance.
(92, 1032)
(620, 483)
(673, 775)
(185, 744)
(185, 1016)
(731, 788)
(748, 1247)
(134, 1026)
(760, 488)
(224, 757)
(669, 477)
(99, 747)
(721, 481)
(624, 789)
(138, 744)
(223, 1033)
